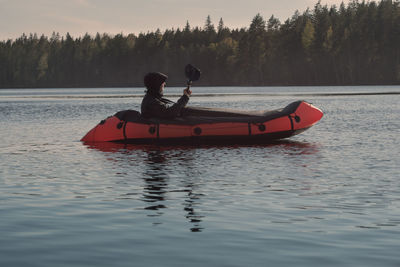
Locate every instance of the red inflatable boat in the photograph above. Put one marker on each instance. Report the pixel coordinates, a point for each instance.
(207, 125)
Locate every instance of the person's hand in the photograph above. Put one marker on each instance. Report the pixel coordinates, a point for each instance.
(187, 91)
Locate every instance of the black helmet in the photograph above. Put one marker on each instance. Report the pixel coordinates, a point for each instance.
(153, 81)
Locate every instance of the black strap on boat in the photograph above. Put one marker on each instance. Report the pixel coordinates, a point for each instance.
(249, 125)
(291, 122)
(158, 131)
(124, 130)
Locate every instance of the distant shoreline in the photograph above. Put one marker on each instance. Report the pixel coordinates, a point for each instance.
(194, 86)
(351, 45)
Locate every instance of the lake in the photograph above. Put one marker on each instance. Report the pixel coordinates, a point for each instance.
(327, 197)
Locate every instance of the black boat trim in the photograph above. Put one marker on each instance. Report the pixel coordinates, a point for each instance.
(194, 116)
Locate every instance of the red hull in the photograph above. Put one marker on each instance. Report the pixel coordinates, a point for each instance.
(283, 124)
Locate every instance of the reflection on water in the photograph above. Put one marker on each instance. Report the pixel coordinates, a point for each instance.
(156, 182)
(329, 201)
(159, 160)
(286, 144)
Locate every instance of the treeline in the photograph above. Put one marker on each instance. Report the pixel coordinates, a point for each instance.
(353, 44)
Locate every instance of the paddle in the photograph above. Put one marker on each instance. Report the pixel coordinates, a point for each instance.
(192, 74)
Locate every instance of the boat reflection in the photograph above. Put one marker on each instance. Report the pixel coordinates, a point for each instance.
(158, 163)
(304, 147)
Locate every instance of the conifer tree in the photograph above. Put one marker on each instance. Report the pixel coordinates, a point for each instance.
(357, 43)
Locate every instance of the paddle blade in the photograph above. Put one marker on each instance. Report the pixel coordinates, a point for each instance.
(192, 73)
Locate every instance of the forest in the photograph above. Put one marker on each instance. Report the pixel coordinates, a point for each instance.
(352, 44)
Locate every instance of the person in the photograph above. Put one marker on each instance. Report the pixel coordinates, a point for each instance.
(153, 103)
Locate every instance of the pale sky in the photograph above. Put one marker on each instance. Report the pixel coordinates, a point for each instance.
(133, 16)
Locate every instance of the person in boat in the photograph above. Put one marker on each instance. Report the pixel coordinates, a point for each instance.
(153, 103)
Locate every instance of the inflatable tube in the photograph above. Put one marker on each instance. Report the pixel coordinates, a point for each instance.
(207, 125)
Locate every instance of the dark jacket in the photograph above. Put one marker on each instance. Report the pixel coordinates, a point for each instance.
(157, 107)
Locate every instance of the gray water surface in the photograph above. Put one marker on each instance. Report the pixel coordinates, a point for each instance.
(327, 197)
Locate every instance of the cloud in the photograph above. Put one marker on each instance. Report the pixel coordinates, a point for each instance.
(82, 3)
(75, 21)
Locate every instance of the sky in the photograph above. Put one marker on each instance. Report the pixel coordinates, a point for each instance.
(135, 16)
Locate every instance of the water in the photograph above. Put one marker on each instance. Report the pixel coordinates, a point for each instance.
(327, 197)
